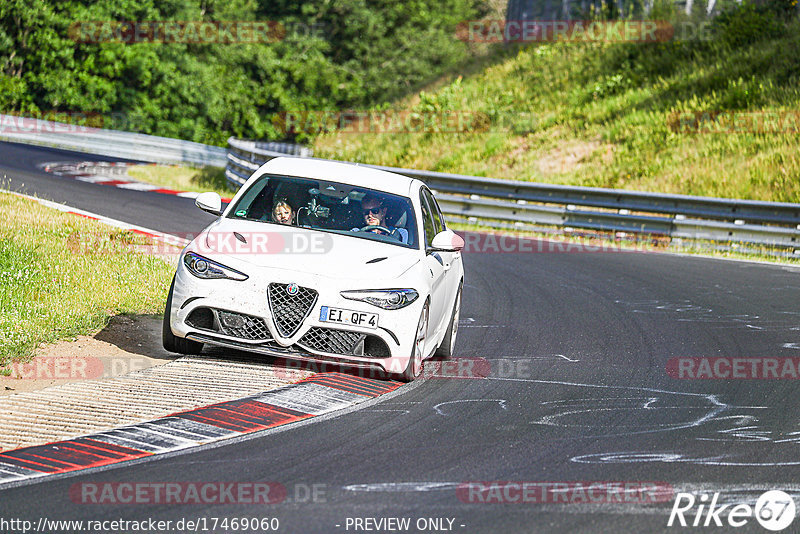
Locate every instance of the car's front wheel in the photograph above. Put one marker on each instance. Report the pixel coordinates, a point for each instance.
(414, 366)
(171, 342)
(448, 345)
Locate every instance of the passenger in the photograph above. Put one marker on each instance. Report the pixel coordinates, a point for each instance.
(374, 213)
(282, 211)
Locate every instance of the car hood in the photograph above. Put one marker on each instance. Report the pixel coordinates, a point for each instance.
(302, 250)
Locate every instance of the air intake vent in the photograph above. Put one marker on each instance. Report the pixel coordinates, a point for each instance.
(330, 340)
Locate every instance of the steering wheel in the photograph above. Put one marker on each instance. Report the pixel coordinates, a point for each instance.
(370, 227)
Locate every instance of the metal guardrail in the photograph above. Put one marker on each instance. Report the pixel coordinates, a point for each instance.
(510, 203)
(488, 201)
(244, 157)
(111, 143)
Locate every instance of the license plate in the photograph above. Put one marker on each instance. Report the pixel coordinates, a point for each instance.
(355, 318)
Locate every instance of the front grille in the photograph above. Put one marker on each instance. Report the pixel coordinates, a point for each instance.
(330, 340)
(243, 326)
(289, 311)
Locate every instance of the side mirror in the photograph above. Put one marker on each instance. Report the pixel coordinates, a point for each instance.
(210, 202)
(447, 241)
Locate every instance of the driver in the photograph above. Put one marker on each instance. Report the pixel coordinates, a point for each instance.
(375, 215)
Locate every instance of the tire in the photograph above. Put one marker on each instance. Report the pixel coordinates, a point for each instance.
(414, 366)
(448, 345)
(171, 342)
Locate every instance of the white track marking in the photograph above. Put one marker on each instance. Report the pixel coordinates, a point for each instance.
(437, 408)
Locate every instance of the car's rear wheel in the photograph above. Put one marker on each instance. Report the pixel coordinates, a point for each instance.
(414, 366)
(448, 345)
(171, 342)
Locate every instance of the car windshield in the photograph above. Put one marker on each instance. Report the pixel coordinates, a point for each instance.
(330, 207)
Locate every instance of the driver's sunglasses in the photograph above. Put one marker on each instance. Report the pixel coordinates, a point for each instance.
(372, 211)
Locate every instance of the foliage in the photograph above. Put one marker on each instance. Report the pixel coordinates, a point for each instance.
(609, 114)
(332, 54)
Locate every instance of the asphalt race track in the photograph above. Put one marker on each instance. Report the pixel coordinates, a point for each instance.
(19, 172)
(576, 345)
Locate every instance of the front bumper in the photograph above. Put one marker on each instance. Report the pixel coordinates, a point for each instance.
(396, 328)
(282, 352)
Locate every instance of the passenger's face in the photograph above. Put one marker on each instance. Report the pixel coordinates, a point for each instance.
(374, 214)
(282, 214)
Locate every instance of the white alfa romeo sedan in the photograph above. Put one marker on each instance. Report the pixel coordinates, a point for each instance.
(325, 261)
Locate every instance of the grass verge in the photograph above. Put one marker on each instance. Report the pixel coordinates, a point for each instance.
(198, 180)
(62, 276)
(612, 115)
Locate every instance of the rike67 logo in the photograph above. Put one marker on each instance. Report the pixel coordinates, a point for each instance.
(774, 510)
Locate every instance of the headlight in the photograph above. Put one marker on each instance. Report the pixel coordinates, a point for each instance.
(388, 299)
(205, 268)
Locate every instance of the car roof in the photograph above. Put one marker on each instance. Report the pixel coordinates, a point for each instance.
(334, 171)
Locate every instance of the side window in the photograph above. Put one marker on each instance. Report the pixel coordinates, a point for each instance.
(427, 219)
(438, 220)
(439, 211)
